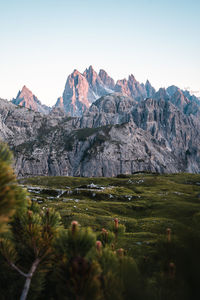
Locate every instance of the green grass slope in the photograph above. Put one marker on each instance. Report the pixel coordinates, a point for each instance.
(147, 204)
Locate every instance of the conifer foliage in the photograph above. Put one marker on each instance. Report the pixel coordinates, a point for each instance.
(41, 259)
(30, 245)
(12, 196)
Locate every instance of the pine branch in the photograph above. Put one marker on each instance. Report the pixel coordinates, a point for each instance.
(28, 276)
(28, 279)
(17, 269)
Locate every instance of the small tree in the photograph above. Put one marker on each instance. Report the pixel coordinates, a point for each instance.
(87, 268)
(31, 243)
(12, 196)
(72, 260)
(77, 273)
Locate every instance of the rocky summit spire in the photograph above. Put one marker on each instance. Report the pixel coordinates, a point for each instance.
(59, 103)
(75, 98)
(172, 89)
(25, 94)
(131, 78)
(149, 89)
(83, 89)
(131, 88)
(91, 75)
(179, 100)
(96, 84)
(137, 90)
(107, 80)
(27, 99)
(161, 94)
(122, 87)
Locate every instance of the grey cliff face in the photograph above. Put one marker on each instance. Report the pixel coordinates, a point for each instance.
(116, 134)
(185, 102)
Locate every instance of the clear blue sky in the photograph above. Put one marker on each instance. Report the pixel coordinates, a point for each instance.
(42, 41)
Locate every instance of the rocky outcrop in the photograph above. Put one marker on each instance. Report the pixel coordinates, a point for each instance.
(98, 87)
(59, 103)
(132, 88)
(107, 80)
(112, 109)
(115, 135)
(187, 104)
(81, 90)
(77, 94)
(150, 91)
(27, 99)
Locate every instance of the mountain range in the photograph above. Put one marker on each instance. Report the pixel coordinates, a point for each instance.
(103, 128)
(81, 90)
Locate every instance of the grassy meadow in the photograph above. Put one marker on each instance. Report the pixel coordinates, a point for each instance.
(147, 204)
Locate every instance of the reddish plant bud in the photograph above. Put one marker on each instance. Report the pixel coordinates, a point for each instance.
(116, 223)
(120, 252)
(104, 231)
(104, 234)
(98, 246)
(74, 226)
(168, 230)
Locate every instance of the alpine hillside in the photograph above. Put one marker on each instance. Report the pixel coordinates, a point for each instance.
(117, 133)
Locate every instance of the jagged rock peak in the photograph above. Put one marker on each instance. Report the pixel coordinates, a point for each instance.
(24, 93)
(89, 71)
(26, 90)
(122, 87)
(149, 89)
(91, 75)
(106, 79)
(172, 89)
(59, 103)
(75, 96)
(131, 88)
(27, 99)
(75, 73)
(161, 94)
(131, 78)
(147, 82)
(179, 99)
(82, 89)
